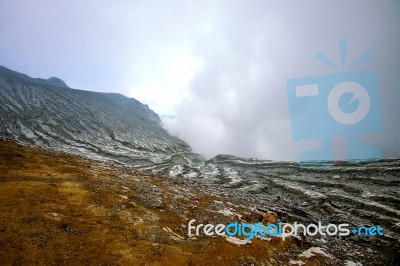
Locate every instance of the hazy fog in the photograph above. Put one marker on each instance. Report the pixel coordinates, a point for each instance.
(219, 66)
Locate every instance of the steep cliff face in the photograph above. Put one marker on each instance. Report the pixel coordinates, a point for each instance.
(50, 114)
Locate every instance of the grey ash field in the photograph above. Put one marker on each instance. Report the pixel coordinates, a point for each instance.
(114, 141)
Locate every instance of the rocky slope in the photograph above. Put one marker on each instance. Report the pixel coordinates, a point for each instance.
(102, 125)
(56, 208)
(358, 193)
(59, 209)
(112, 127)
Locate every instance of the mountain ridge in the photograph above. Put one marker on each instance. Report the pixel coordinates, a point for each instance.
(105, 125)
(17, 76)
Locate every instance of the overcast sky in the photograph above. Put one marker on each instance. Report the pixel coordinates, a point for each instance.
(220, 67)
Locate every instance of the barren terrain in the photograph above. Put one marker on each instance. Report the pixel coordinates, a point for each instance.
(57, 209)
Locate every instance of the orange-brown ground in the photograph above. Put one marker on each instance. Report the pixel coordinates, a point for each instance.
(57, 209)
